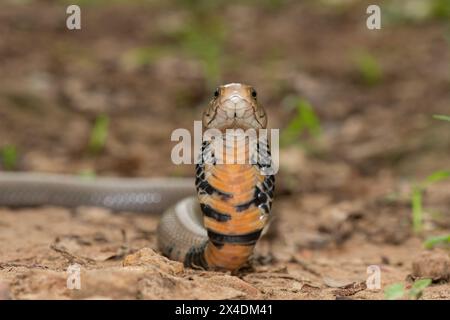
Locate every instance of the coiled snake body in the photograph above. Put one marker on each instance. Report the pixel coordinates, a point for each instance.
(218, 228)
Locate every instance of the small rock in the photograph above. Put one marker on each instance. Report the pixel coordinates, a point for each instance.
(148, 257)
(432, 264)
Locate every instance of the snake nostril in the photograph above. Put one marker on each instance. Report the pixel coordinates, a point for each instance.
(235, 99)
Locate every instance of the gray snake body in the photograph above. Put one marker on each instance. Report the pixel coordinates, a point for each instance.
(153, 195)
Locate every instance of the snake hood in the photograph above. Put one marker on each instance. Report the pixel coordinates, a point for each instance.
(234, 106)
(220, 228)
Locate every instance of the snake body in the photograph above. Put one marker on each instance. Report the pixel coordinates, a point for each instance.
(23, 189)
(218, 228)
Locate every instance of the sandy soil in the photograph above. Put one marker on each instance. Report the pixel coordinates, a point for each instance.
(342, 201)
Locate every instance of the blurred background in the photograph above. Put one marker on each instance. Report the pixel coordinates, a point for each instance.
(362, 153)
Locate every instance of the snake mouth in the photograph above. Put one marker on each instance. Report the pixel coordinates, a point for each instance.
(235, 112)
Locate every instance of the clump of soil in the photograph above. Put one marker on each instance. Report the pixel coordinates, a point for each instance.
(434, 265)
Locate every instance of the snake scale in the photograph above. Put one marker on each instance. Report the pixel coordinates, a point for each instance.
(215, 229)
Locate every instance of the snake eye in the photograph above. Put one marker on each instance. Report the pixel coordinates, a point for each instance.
(254, 94)
(216, 93)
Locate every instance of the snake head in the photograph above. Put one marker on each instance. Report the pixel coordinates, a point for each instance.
(234, 106)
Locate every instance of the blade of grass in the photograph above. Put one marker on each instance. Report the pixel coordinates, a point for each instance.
(417, 197)
(437, 176)
(441, 117)
(99, 134)
(417, 209)
(431, 242)
(309, 118)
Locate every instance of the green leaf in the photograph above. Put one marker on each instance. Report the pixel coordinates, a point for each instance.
(441, 9)
(441, 117)
(434, 241)
(418, 287)
(309, 118)
(438, 176)
(9, 157)
(305, 120)
(99, 134)
(369, 68)
(394, 291)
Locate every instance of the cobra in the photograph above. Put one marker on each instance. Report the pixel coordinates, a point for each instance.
(215, 229)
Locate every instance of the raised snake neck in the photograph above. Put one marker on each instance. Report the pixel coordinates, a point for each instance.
(234, 199)
(217, 229)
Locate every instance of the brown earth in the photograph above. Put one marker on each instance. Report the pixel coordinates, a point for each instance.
(343, 199)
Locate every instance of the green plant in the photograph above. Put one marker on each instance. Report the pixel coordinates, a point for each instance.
(304, 121)
(99, 134)
(398, 291)
(9, 157)
(441, 117)
(418, 190)
(432, 242)
(394, 291)
(368, 68)
(440, 9)
(417, 288)
(417, 197)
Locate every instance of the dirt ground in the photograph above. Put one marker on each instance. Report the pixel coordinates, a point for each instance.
(342, 201)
